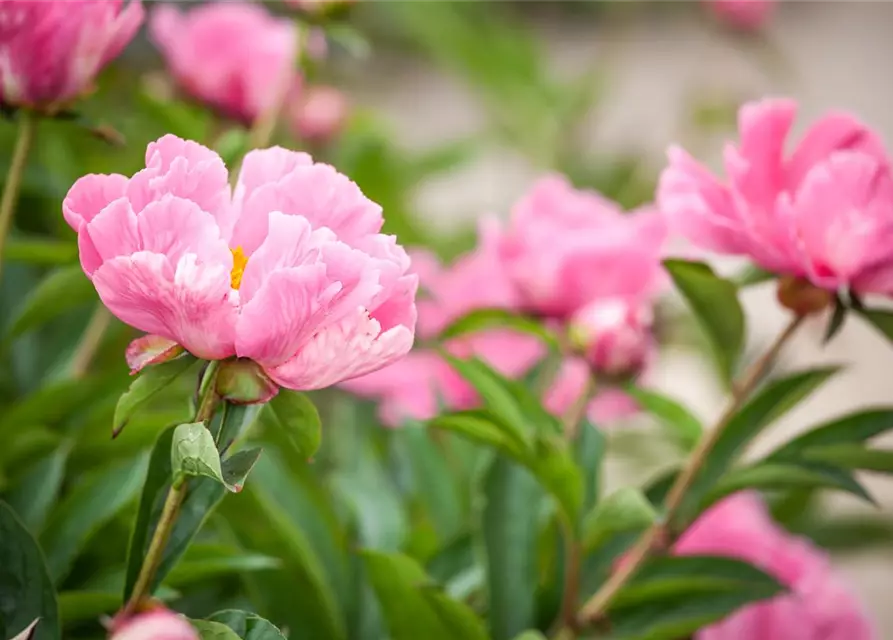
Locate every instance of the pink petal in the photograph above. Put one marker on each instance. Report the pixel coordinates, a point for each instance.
(763, 128)
(354, 347)
(149, 350)
(158, 624)
(833, 132)
(283, 314)
(111, 233)
(90, 195)
(610, 406)
(174, 227)
(398, 308)
(265, 166)
(698, 206)
(189, 303)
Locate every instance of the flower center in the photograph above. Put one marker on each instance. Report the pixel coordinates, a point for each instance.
(239, 262)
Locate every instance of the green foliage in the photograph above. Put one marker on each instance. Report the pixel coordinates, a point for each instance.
(482, 319)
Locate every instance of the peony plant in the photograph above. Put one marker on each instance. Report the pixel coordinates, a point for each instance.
(203, 456)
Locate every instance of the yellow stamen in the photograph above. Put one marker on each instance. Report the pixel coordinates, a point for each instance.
(239, 262)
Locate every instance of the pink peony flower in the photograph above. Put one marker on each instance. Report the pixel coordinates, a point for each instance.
(615, 335)
(565, 248)
(51, 52)
(819, 605)
(418, 386)
(823, 212)
(318, 113)
(234, 56)
(157, 624)
(609, 405)
(743, 14)
(289, 270)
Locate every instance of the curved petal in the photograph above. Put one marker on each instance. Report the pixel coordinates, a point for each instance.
(91, 194)
(174, 227)
(763, 126)
(189, 304)
(113, 232)
(284, 313)
(354, 347)
(317, 192)
(265, 166)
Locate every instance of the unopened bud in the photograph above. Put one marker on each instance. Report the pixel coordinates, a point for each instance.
(156, 623)
(319, 113)
(613, 335)
(242, 381)
(802, 297)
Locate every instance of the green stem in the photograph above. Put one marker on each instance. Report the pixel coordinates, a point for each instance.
(176, 494)
(90, 341)
(27, 126)
(598, 603)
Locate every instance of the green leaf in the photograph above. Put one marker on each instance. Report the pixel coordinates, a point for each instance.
(852, 456)
(589, 453)
(208, 630)
(488, 319)
(752, 275)
(237, 467)
(850, 533)
(627, 509)
(38, 250)
(835, 324)
(236, 420)
(672, 597)
(681, 423)
(85, 510)
(62, 290)
(785, 475)
(202, 497)
(850, 429)
(768, 405)
(481, 426)
(510, 529)
(248, 626)
(555, 468)
(34, 494)
(191, 571)
(151, 380)
(24, 582)
(194, 453)
(880, 320)
(413, 607)
(296, 416)
(714, 302)
(89, 605)
(530, 635)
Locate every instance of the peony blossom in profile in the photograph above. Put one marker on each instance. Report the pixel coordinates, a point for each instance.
(156, 624)
(822, 211)
(743, 14)
(318, 113)
(234, 56)
(420, 385)
(564, 248)
(51, 52)
(289, 270)
(819, 605)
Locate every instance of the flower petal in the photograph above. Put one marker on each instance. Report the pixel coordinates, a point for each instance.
(90, 195)
(174, 227)
(149, 350)
(265, 166)
(113, 232)
(354, 347)
(189, 304)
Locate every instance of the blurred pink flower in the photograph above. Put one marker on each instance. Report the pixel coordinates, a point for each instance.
(609, 405)
(614, 335)
(819, 605)
(157, 624)
(318, 113)
(744, 14)
(824, 212)
(235, 56)
(51, 52)
(289, 271)
(565, 248)
(418, 385)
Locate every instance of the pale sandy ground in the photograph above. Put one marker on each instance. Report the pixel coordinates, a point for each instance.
(838, 54)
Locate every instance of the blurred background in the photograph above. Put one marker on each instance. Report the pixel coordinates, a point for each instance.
(454, 108)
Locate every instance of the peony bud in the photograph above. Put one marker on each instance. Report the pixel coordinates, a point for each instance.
(747, 15)
(613, 335)
(318, 113)
(155, 624)
(53, 51)
(802, 297)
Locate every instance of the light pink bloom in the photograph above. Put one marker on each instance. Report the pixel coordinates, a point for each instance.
(609, 405)
(235, 56)
(615, 335)
(565, 248)
(743, 14)
(318, 113)
(289, 270)
(157, 624)
(819, 606)
(51, 52)
(422, 384)
(823, 212)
